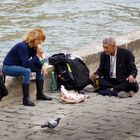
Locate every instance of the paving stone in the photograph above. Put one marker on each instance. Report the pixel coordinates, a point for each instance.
(98, 118)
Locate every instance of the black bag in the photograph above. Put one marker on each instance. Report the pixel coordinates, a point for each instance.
(72, 73)
(3, 89)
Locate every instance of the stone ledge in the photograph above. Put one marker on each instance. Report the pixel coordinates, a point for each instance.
(90, 56)
(15, 88)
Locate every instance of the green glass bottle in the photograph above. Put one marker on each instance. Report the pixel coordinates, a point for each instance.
(53, 82)
(42, 60)
(96, 84)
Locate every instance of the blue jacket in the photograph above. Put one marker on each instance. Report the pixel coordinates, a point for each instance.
(22, 55)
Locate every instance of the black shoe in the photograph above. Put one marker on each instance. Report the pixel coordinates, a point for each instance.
(27, 102)
(43, 97)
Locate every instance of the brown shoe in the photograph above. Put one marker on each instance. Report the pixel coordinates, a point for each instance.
(131, 93)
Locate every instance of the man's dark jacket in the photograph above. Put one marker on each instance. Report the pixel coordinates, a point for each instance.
(125, 65)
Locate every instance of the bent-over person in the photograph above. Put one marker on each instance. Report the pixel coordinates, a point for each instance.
(26, 57)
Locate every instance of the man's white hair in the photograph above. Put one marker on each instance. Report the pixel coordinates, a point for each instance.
(110, 41)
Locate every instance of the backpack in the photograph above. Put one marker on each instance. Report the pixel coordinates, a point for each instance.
(3, 89)
(72, 73)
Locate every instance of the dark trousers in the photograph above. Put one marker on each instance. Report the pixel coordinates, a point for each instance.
(118, 85)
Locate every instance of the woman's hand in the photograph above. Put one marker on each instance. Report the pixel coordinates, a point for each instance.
(39, 52)
(44, 70)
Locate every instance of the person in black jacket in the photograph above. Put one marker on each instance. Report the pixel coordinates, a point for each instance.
(117, 71)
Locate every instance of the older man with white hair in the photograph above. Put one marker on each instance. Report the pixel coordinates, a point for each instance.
(117, 71)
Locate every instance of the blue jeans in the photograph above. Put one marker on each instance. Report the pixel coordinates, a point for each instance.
(21, 71)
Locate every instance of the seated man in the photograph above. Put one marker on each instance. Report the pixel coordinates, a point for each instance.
(117, 71)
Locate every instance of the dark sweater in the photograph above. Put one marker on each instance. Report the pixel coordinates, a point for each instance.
(22, 55)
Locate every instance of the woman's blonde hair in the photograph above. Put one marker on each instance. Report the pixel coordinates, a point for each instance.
(35, 34)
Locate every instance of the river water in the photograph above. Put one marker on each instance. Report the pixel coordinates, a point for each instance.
(69, 24)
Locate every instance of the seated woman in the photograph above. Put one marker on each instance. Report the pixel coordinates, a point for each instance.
(24, 58)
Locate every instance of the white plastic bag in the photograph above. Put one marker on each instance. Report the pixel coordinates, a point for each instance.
(71, 97)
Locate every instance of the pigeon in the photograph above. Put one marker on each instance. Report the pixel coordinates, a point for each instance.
(51, 124)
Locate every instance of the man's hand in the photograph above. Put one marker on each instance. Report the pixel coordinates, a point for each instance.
(94, 77)
(131, 79)
(44, 70)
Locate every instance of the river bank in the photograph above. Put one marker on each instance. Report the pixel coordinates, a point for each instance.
(97, 118)
(90, 56)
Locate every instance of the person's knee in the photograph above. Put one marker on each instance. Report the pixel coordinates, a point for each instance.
(134, 86)
(27, 72)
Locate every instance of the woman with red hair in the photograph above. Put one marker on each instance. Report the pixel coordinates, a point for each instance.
(24, 58)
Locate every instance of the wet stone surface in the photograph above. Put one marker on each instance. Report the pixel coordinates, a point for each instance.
(98, 118)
